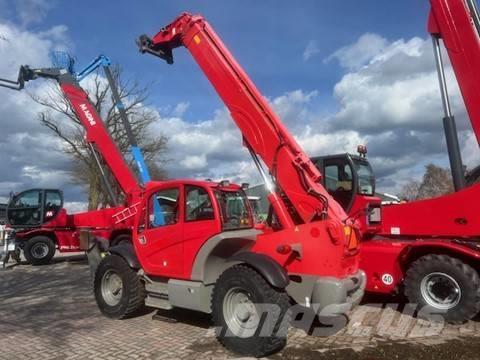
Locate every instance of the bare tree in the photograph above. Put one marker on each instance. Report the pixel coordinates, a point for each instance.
(436, 181)
(65, 125)
(409, 191)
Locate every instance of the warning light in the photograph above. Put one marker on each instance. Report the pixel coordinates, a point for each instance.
(352, 238)
(362, 150)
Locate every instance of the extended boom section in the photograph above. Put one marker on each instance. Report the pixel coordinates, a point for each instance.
(457, 24)
(296, 178)
(96, 134)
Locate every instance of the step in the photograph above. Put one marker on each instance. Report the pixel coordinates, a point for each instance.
(157, 287)
(158, 301)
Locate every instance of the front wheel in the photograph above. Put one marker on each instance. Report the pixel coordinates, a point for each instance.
(444, 285)
(119, 292)
(251, 317)
(39, 250)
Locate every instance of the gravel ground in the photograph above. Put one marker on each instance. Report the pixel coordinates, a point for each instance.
(48, 312)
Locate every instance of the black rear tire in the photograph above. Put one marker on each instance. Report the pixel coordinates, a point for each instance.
(270, 335)
(444, 285)
(125, 296)
(39, 250)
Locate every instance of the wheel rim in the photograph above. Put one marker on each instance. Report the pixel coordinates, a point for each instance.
(112, 288)
(39, 250)
(441, 291)
(240, 313)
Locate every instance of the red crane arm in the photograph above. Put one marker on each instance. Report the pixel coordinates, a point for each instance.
(296, 177)
(97, 134)
(456, 22)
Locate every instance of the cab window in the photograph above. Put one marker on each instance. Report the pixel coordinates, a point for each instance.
(53, 204)
(234, 209)
(163, 208)
(26, 209)
(198, 205)
(366, 179)
(339, 182)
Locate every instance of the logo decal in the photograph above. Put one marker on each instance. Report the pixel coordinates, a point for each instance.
(88, 114)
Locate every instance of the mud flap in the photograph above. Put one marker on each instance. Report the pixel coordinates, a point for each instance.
(94, 256)
(94, 248)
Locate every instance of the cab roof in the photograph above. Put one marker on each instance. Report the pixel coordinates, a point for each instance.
(201, 183)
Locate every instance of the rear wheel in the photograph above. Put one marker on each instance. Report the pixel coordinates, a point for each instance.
(252, 317)
(119, 292)
(39, 250)
(444, 285)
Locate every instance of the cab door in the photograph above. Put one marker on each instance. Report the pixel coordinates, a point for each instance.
(26, 209)
(34, 207)
(159, 244)
(201, 221)
(340, 181)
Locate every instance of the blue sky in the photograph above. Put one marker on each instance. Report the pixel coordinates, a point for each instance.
(338, 73)
(267, 37)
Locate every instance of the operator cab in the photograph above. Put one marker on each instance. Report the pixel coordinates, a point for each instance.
(217, 201)
(34, 207)
(346, 175)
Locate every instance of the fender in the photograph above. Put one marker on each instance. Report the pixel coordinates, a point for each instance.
(464, 248)
(266, 266)
(127, 252)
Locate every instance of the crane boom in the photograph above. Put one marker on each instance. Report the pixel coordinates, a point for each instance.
(96, 133)
(299, 196)
(457, 24)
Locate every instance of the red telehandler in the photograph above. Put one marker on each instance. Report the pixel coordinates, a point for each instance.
(429, 249)
(208, 256)
(37, 221)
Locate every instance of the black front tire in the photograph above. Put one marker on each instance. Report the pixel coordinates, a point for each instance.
(271, 334)
(425, 278)
(39, 250)
(130, 296)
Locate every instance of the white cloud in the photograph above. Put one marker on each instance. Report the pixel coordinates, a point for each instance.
(32, 11)
(388, 98)
(471, 150)
(356, 55)
(29, 155)
(310, 50)
(181, 108)
(73, 207)
(194, 162)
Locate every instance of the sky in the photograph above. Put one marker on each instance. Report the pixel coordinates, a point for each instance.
(337, 73)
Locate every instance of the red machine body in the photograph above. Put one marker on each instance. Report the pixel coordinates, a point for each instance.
(310, 218)
(112, 224)
(65, 228)
(448, 224)
(447, 216)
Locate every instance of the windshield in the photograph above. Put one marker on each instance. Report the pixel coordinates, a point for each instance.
(366, 180)
(235, 209)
